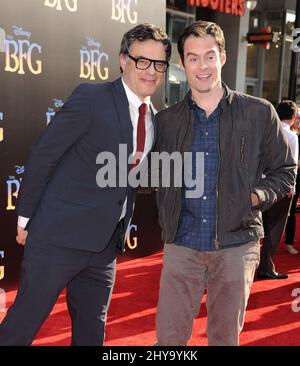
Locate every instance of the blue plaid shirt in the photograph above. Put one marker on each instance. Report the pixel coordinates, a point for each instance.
(197, 222)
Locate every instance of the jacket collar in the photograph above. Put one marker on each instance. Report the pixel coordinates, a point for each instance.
(225, 101)
(122, 108)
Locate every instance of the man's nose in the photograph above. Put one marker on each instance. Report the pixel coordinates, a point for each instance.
(151, 69)
(202, 64)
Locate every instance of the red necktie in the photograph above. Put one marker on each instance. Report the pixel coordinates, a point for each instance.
(141, 132)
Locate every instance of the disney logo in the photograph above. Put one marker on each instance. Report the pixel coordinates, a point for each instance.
(19, 31)
(58, 103)
(91, 42)
(20, 169)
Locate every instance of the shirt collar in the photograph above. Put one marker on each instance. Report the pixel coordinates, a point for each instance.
(285, 125)
(194, 105)
(133, 98)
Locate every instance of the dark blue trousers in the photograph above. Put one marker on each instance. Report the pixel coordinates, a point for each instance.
(46, 270)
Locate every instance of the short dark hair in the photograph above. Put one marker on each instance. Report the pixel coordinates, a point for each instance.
(286, 110)
(143, 32)
(200, 29)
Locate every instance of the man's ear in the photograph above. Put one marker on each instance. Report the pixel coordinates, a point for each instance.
(223, 58)
(181, 63)
(123, 61)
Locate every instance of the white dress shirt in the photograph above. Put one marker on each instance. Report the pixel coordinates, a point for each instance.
(293, 142)
(134, 104)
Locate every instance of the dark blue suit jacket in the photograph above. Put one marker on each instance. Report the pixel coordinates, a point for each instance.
(59, 191)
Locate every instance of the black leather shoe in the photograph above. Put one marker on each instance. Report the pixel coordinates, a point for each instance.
(272, 275)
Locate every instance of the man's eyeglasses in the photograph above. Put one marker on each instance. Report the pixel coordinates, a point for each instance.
(143, 63)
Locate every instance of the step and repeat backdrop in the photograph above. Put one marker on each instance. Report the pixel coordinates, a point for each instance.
(47, 48)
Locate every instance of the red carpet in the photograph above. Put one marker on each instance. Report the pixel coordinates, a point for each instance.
(270, 320)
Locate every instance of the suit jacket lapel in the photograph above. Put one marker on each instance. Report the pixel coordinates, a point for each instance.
(154, 127)
(122, 108)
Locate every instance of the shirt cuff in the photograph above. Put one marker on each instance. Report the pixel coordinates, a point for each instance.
(22, 221)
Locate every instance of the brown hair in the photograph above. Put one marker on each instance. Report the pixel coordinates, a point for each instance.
(143, 32)
(287, 109)
(199, 29)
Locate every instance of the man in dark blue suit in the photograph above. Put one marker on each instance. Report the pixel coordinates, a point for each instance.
(70, 225)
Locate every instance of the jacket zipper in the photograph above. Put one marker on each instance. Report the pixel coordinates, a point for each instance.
(242, 148)
(217, 243)
(182, 150)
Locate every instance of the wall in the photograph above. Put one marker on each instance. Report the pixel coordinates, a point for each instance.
(235, 30)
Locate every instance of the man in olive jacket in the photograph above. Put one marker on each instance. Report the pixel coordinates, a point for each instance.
(212, 241)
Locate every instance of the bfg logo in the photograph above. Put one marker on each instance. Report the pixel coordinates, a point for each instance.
(122, 10)
(134, 243)
(21, 52)
(1, 128)
(71, 5)
(13, 186)
(2, 292)
(91, 61)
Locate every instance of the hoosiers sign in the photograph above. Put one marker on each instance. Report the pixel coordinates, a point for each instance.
(260, 37)
(234, 7)
(264, 38)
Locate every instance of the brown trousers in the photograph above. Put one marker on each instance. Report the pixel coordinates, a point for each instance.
(227, 274)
